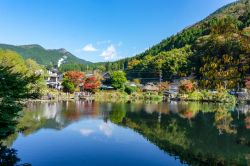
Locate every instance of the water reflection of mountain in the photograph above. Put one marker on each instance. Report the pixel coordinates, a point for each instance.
(197, 133)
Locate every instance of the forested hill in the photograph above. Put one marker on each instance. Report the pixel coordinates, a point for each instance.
(44, 56)
(215, 50)
(237, 10)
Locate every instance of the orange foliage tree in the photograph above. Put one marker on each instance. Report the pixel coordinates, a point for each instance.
(92, 84)
(76, 77)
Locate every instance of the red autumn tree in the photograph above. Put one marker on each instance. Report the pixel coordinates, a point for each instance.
(186, 86)
(92, 84)
(76, 77)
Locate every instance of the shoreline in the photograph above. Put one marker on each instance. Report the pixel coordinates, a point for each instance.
(119, 96)
(139, 100)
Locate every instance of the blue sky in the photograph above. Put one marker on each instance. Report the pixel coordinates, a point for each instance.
(99, 30)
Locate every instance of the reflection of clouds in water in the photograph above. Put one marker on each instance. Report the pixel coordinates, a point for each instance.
(105, 128)
(86, 132)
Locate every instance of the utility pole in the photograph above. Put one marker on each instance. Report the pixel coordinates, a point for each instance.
(160, 76)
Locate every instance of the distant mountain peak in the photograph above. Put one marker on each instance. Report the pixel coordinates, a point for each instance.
(30, 46)
(62, 50)
(45, 56)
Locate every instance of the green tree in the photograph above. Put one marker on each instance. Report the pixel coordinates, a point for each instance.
(14, 87)
(27, 68)
(118, 79)
(68, 86)
(12, 59)
(35, 69)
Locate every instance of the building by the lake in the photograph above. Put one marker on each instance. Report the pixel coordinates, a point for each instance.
(54, 79)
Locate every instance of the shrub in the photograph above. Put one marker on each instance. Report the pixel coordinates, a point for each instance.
(114, 96)
(186, 86)
(152, 96)
(196, 96)
(130, 89)
(224, 97)
(136, 81)
(221, 96)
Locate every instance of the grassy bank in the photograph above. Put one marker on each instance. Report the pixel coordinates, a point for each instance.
(118, 96)
(121, 96)
(49, 94)
(208, 96)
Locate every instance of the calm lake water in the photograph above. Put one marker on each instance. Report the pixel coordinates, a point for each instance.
(131, 134)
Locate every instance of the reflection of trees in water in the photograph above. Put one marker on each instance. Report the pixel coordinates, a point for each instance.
(75, 110)
(197, 133)
(117, 115)
(8, 156)
(9, 113)
(217, 135)
(223, 121)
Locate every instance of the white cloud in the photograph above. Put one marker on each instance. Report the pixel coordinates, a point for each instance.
(105, 128)
(89, 48)
(109, 53)
(86, 132)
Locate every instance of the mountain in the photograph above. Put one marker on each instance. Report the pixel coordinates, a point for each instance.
(238, 10)
(215, 50)
(45, 56)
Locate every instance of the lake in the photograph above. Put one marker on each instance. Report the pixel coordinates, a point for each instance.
(129, 134)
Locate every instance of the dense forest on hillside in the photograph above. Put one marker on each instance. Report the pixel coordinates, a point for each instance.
(215, 50)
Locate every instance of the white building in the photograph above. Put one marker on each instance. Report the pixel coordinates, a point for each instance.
(53, 79)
